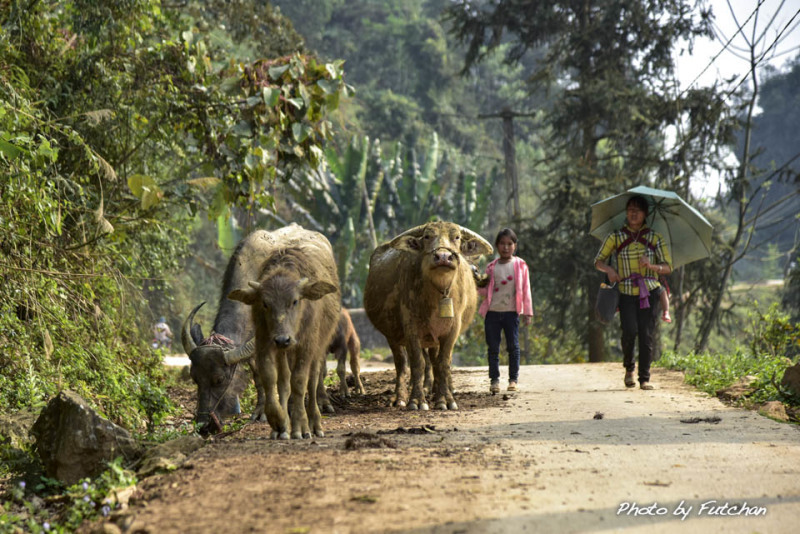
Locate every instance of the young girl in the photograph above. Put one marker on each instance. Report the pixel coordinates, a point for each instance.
(508, 295)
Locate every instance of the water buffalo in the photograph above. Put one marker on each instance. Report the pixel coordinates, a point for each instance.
(346, 340)
(220, 383)
(295, 308)
(421, 294)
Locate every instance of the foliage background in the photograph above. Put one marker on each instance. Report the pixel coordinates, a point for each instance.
(139, 141)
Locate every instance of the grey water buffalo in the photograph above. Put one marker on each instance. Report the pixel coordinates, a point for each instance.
(295, 306)
(346, 341)
(421, 294)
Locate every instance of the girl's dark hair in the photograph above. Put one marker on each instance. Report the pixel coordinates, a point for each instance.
(506, 232)
(640, 202)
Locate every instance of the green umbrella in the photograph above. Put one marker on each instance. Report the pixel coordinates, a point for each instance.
(686, 231)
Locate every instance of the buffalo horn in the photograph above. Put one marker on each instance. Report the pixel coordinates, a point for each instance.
(240, 353)
(253, 284)
(186, 331)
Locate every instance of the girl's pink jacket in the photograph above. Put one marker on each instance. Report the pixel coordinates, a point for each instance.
(522, 288)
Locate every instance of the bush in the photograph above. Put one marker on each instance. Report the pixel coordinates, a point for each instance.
(771, 339)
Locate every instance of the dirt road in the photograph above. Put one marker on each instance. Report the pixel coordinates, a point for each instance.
(572, 451)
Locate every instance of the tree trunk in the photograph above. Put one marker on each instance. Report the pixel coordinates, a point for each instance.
(510, 151)
(680, 312)
(741, 190)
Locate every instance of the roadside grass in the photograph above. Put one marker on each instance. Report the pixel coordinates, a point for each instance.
(712, 372)
(766, 343)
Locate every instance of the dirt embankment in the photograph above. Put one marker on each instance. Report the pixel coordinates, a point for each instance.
(572, 451)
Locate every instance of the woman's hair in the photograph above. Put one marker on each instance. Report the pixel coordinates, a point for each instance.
(506, 232)
(640, 202)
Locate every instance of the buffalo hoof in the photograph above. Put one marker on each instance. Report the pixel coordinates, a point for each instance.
(297, 435)
(319, 434)
(441, 405)
(307, 435)
(424, 407)
(276, 435)
(400, 404)
(452, 406)
(328, 408)
(413, 405)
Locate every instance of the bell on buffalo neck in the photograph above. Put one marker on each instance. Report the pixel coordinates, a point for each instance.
(446, 307)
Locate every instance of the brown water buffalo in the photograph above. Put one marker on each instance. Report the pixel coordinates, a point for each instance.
(295, 308)
(421, 294)
(346, 341)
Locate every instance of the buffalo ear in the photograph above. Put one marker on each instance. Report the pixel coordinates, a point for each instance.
(316, 290)
(474, 245)
(248, 296)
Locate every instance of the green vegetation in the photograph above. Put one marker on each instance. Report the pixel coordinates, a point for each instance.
(84, 501)
(91, 224)
(140, 140)
(771, 344)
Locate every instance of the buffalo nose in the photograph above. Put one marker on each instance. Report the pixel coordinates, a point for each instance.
(282, 341)
(442, 257)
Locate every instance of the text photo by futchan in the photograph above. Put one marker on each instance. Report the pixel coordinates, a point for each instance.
(683, 509)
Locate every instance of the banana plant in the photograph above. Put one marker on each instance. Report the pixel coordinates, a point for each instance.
(362, 198)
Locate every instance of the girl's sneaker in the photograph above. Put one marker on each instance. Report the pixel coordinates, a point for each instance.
(495, 387)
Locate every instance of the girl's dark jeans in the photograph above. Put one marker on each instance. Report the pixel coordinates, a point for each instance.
(495, 323)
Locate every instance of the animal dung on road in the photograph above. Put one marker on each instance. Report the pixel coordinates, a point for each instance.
(367, 440)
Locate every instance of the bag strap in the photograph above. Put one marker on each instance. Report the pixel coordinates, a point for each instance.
(641, 237)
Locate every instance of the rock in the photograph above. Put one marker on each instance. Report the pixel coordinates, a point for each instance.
(742, 388)
(791, 379)
(774, 410)
(170, 455)
(75, 442)
(15, 428)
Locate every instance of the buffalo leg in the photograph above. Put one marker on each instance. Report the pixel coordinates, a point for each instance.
(274, 411)
(258, 413)
(322, 393)
(299, 386)
(354, 347)
(314, 416)
(401, 375)
(430, 355)
(417, 363)
(341, 360)
(443, 395)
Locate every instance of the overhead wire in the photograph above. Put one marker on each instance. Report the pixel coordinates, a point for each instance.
(725, 47)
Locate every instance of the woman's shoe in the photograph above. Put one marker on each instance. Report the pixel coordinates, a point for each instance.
(495, 387)
(646, 385)
(512, 385)
(629, 380)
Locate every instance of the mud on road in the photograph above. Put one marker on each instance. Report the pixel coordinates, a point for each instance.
(572, 451)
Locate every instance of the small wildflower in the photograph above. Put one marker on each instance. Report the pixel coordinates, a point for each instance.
(85, 486)
(22, 484)
(105, 510)
(86, 498)
(46, 526)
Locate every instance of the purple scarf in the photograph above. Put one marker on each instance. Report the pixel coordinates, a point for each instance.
(644, 293)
